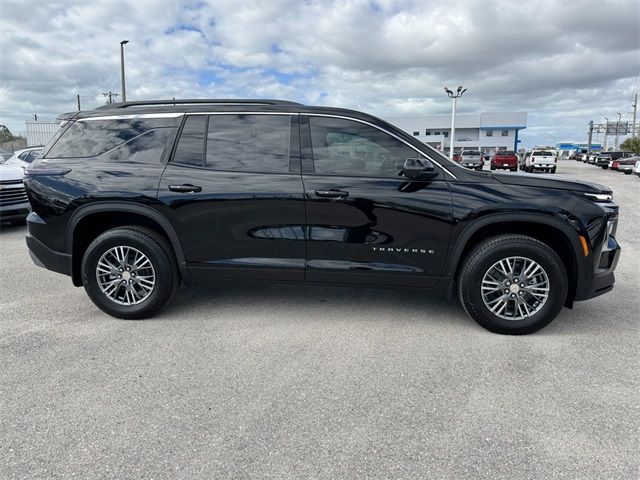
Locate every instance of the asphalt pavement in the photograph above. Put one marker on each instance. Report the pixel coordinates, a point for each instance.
(292, 381)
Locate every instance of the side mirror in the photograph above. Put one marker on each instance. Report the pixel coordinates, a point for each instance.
(418, 169)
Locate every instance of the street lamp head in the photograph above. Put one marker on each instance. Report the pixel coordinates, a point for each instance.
(124, 42)
(463, 91)
(459, 88)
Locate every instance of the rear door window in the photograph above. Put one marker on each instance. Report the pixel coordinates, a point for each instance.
(248, 143)
(190, 149)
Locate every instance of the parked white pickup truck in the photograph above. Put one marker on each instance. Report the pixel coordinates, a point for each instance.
(541, 160)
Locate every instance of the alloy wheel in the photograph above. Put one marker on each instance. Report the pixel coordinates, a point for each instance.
(125, 275)
(515, 288)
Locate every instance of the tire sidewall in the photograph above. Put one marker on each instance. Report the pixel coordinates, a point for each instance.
(156, 256)
(557, 288)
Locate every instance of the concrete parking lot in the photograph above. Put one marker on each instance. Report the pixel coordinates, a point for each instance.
(292, 381)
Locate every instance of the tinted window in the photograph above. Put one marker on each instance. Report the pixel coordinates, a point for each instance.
(249, 143)
(89, 138)
(543, 154)
(190, 149)
(472, 152)
(346, 147)
(146, 148)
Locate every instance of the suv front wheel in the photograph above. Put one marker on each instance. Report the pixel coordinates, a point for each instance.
(512, 284)
(129, 272)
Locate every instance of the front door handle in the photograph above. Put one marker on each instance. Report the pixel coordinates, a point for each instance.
(186, 188)
(332, 193)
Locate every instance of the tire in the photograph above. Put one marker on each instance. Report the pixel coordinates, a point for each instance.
(627, 172)
(553, 170)
(148, 298)
(18, 223)
(604, 167)
(481, 261)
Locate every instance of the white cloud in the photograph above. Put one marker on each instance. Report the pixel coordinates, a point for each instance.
(564, 62)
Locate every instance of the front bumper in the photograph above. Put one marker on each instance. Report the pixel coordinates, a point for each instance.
(14, 212)
(603, 278)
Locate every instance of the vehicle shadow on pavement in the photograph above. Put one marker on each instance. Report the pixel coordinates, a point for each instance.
(309, 301)
(11, 228)
(289, 302)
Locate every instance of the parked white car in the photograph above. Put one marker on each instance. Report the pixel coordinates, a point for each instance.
(636, 169)
(14, 204)
(541, 160)
(23, 158)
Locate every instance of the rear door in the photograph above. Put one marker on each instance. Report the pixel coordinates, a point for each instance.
(233, 191)
(366, 223)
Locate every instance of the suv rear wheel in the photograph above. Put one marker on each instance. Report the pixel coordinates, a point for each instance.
(129, 272)
(512, 284)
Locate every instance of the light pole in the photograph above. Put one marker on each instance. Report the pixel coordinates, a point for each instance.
(606, 131)
(617, 128)
(454, 97)
(124, 92)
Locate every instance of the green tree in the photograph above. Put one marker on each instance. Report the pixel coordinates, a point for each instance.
(5, 134)
(631, 145)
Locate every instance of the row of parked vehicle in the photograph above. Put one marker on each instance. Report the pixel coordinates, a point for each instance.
(536, 160)
(625, 162)
(14, 204)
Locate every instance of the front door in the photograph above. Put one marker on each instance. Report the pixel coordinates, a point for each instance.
(233, 192)
(366, 223)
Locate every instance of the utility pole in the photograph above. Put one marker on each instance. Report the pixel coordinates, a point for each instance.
(617, 129)
(124, 91)
(111, 96)
(454, 97)
(78, 101)
(635, 109)
(606, 132)
(35, 117)
(590, 136)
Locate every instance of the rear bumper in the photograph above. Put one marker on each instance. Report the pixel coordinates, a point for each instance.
(544, 166)
(44, 257)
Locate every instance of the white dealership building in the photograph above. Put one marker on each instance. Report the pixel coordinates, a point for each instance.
(486, 132)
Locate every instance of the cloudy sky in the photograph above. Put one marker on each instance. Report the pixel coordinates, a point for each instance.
(564, 62)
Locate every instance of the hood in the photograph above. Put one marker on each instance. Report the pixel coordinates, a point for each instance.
(10, 172)
(550, 181)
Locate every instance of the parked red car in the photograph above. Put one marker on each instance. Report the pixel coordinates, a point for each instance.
(615, 165)
(505, 159)
(457, 157)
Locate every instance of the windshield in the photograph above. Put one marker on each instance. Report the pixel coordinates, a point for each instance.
(543, 153)
(471, 153)
(505, 153)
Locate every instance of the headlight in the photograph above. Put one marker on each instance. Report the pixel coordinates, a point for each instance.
(599, 197)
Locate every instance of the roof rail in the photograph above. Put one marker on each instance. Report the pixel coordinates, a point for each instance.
(199, 101)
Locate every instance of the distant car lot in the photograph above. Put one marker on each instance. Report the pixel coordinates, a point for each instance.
(284, 380)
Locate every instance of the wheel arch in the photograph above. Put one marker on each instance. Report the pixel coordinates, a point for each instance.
(89, 221)
(556, 233)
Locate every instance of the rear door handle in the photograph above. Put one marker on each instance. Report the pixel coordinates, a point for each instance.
(186, 188)
(332, 193)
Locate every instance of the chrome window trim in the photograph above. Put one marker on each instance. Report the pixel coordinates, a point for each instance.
(126, 117)
(242, 113)
(382, 130)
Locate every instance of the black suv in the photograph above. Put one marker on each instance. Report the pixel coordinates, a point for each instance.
(132, 199)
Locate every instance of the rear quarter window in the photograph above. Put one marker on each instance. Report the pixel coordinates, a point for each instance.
(117, 137)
